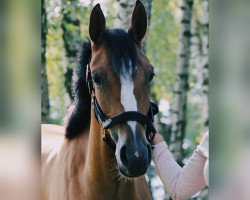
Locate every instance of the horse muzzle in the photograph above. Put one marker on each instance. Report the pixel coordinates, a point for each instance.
(134, 158)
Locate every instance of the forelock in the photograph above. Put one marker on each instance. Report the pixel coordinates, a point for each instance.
(122, 51)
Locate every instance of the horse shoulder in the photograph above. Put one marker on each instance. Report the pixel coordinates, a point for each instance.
(62, 160)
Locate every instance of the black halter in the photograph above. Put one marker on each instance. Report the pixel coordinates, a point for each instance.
(106, 123)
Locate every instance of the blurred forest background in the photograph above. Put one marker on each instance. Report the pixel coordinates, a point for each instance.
(177, 47)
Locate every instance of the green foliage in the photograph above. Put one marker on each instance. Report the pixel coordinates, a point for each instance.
(162, 47)
(55, 59)
(55, 63)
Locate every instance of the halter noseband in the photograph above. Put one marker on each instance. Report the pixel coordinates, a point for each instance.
(106, 122)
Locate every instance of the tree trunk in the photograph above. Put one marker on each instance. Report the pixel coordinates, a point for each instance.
(124, 11)
(202, 33)
(71, 37)
(200, 53)
(205, 56)
(181, 84)
(45, 107)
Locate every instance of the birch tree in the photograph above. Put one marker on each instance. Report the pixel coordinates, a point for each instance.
(205, 58)
(200, 52)
(45, 107)
(124, 9)
(181, 83)
(202, 31)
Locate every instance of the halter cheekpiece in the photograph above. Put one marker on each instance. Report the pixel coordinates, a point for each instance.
(106, 122)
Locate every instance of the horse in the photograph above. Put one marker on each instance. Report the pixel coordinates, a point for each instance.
(112, 78)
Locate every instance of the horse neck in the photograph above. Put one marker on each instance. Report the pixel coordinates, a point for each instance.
(99, 154)
(101, 163)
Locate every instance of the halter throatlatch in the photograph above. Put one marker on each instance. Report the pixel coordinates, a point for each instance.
(106, 122)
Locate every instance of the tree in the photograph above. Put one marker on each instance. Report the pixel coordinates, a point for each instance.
(205, 57)
(72, 38)
(123, 13)
(181, 84)
(200, 51)
(162, 45)
(201, 29)
(45, 107)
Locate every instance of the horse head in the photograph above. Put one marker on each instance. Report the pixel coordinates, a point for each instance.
(121, 75)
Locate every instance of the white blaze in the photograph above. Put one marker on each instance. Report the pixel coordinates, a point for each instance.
(128, 98)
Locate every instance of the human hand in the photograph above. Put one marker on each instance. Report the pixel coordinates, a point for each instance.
(157, 139)
(203, 147)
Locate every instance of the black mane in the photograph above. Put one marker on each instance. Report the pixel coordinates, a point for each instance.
(79, 117)
(122, 53)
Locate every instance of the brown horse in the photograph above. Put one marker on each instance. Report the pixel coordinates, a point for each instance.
(76, 163)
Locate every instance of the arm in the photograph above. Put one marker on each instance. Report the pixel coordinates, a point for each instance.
(180, 183)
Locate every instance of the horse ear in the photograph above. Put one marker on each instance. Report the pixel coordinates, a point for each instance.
(139, 22)
(97, 25)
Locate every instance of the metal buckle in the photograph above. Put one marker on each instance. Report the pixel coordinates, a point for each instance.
(106, 123)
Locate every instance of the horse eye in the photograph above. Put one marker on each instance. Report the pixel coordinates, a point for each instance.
(97, 80)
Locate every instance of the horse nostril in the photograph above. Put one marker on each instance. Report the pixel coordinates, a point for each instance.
(123, 155)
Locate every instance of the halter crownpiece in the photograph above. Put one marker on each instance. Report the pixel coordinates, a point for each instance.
(106, 122)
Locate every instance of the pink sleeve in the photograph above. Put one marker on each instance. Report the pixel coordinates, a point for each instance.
(180, 183)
